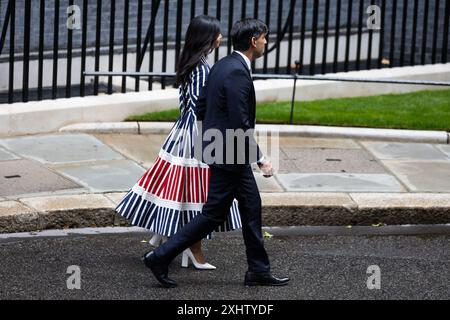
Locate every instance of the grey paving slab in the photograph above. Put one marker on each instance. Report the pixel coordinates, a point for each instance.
(6, 155)
(426, 176)
(339, 182)
(267, 184)
(141, 148)
(285, 166)
(445, 148)
(404, 151)
(147, 165)
(304, 142)
(61, 148)
(115, 197)
(107, 176)
(329, 161)
(27, 176)
(68, 202)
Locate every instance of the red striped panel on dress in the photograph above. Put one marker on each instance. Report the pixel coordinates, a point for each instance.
(148, 172)
(159, 176)
(180, 191)
(152, 172)
(197, 184)
(166, 185)
(204, 183)
(193, 183)
(176, 183)
(172, 185)
(188, 185)
(164, 182)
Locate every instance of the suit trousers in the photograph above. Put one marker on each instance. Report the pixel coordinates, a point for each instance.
(224, 186)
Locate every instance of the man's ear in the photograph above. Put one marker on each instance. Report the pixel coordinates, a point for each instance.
(253, 42)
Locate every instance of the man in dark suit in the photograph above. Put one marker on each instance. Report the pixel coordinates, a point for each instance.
(228, 108)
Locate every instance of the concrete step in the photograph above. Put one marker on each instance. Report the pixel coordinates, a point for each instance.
(279, 209)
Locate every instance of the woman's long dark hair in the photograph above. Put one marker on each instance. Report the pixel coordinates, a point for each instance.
(201, 34)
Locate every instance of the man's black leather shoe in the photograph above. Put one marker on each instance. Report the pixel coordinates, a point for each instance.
(159, 270)
(263, 279)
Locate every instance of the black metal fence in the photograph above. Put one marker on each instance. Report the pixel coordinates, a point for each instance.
(41, 57)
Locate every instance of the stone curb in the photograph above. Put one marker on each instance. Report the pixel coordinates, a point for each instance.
(279, 209)
(422, 136)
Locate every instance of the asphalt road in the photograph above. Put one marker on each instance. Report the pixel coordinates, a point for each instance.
(320, 267)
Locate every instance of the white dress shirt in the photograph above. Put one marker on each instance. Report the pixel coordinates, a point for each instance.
(246, 59)
(249, 65)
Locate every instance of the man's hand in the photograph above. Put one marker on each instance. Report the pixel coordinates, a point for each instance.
(266, 167)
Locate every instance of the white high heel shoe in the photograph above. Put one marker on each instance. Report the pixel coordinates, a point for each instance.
(157, 240)
(187, 254)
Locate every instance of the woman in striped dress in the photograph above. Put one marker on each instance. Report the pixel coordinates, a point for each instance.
(174, 189)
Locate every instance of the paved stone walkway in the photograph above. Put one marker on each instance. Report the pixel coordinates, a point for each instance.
(36, 169)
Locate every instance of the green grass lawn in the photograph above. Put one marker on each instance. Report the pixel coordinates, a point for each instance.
(422, 110)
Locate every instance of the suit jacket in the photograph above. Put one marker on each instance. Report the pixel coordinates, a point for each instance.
(227, 105)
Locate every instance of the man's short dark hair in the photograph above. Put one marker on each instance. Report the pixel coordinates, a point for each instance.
(243, 31)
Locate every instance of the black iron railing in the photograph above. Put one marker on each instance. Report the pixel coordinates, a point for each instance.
(46, 59)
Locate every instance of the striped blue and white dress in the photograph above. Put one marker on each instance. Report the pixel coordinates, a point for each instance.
(175, 188)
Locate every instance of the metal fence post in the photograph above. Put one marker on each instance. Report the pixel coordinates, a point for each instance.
(297, 66)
